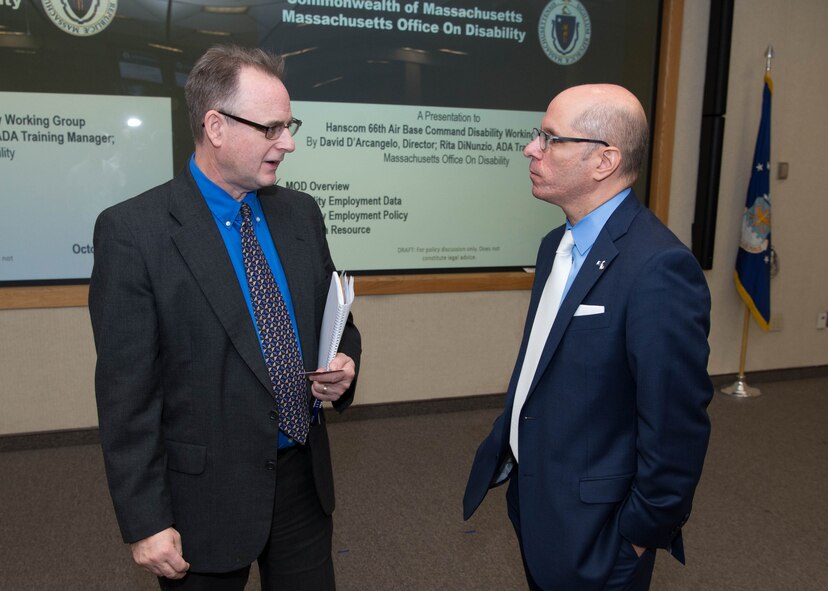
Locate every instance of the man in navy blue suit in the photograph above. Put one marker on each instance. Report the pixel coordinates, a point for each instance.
(605, 428)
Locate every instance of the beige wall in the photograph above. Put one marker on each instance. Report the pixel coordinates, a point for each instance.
(799, 207)
(445, 345)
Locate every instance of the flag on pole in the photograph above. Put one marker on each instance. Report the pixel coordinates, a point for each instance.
(752, 273)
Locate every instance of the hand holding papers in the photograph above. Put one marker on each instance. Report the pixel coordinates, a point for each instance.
(337, 308)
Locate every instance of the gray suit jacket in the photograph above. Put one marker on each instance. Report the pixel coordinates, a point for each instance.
(185, 403)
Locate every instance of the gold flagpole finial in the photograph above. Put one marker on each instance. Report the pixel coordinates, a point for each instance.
(769, 58)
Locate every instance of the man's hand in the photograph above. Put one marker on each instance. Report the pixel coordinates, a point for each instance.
(333, 384)
(161, 554)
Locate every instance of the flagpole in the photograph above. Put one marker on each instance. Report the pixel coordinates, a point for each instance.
(739, 388)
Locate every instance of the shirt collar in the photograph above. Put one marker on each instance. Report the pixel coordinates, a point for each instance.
(586, 231)
(223, 207)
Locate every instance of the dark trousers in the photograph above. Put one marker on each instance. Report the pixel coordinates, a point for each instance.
(629, 573)
(297, 556)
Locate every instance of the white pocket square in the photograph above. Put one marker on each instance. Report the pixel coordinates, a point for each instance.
(587, 310)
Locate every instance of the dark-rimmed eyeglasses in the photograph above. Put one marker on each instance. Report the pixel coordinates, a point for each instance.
(270, 131)
(544, 139)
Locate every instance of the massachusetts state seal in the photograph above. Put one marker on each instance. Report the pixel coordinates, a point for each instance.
(564, 31)
(81, 17)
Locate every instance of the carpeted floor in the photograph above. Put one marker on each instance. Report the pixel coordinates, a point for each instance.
(760, 521)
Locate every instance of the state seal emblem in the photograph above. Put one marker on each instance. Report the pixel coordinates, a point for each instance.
(564, 31)
(82, 18)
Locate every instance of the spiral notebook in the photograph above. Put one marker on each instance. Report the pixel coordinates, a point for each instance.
(337, 308)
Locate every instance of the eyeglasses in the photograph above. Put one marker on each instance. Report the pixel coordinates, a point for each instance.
(544, 139)
(270, 131)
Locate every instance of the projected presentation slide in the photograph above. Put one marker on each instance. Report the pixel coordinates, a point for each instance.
(415, 116)
(63, 159)
(409, 187)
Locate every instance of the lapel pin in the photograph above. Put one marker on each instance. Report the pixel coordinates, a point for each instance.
(601, 264)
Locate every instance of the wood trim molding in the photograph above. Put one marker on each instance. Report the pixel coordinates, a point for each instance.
(70, 296)
(665, 113)
(67, 296)
(47, 296)
(437, 282)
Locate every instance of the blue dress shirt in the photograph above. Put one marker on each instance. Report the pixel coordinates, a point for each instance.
(227, 215)
(586, 231)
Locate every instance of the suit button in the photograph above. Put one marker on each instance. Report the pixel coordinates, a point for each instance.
(273, 415)
(270, 465)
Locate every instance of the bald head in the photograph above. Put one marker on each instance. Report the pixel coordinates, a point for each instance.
(611, 113)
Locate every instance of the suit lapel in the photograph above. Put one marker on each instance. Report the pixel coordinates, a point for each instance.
(596, 263)
(202, 248)
(543, 267)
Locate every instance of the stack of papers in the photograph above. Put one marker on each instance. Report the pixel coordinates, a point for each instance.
(337, 308)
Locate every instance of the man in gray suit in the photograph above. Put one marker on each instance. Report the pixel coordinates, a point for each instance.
(213, 455)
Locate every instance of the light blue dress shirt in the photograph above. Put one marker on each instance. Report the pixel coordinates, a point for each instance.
(586, 231)
(227, 215)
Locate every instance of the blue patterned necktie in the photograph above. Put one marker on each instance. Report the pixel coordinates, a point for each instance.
(279, 345)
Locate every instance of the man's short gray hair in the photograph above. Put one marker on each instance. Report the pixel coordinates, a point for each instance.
(620, 126)
(213, 81)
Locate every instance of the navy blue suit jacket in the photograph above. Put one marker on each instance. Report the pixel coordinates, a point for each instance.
(614, 430)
